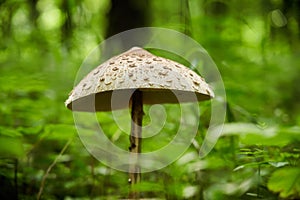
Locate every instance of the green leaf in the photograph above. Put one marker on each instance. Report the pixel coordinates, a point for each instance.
(11, 147)
(32, 130)
(286, 182)
(189, 191)
(251, 134)
(10, 132)
(60, 131)
(148, 187)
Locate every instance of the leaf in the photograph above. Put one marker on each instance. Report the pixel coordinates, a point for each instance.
(60, 131)
(34, 82)
(223, 189)
(278, 164)
(11, 147)
(148, 187)
(187, 158)
(250, 134)
(6, 131)
(189, 191)
(32, 130)
(10, 143)
(286, 182)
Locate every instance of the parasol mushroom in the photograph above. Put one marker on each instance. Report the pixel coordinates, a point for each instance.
(148, 79)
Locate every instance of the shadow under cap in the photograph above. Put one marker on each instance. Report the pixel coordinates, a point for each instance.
(159, 79)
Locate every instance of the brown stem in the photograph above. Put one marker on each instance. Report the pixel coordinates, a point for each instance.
(135, 141)
(51, 166)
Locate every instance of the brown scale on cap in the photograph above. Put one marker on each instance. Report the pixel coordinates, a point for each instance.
(158, 78)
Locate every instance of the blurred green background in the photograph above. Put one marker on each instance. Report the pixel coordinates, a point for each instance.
(255, 45)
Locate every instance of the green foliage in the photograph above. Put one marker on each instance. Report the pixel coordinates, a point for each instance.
(11, 147)
(255, 45)
(286, 181)
(251, 134)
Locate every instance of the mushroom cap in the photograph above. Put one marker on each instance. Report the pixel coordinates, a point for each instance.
(161, 81)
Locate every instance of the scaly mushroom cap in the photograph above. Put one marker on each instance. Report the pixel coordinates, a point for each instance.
(161, 80)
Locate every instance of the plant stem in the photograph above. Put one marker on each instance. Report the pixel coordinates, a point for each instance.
(51, 166)
(135, 141)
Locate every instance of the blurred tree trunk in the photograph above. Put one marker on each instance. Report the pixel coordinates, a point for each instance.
(186, 17)
(290, 9)
(67, 27)
(34, 13)
(6, 19)
(127, 14)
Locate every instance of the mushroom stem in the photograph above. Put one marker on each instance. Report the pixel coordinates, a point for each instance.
(135, 140)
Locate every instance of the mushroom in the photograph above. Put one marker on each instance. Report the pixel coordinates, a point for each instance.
(148, 79)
